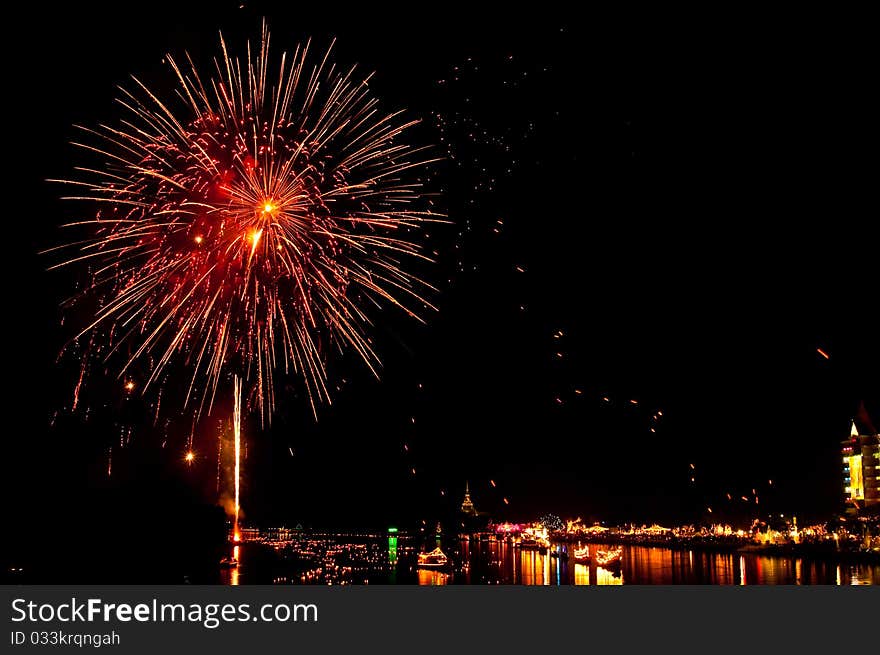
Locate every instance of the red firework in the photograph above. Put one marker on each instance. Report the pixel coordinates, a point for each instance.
(246, 224)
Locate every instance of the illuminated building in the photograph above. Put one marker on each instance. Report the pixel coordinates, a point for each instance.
(470, 520)
(861, 470)
(277, 534)
(467, 507)
(245, 534)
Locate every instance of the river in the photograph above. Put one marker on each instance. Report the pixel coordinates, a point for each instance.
(393, 561)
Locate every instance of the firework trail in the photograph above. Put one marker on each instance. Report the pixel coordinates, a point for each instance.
(247, 224)
(236, 428)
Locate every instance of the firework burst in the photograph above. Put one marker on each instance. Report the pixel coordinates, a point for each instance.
(246, 225)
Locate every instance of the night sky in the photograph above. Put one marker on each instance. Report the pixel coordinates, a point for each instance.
(640, 211)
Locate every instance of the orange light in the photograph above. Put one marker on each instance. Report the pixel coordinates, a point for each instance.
(255, 240)
(236, 538)
(129, 386)
(199, 239)
(823, 353)
(268, 208)
(190, 456)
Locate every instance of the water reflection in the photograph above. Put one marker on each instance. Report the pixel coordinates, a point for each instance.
(588, 573)
(233, 573)
(500, 562)
(606, 577)
(662, 566)
(229, 575)
(392, 559)
(534, 566)
(862, 577)
(432, 578)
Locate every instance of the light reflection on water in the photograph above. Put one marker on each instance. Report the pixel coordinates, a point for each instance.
(433, 578)
(229, 576)
(502, 563)
(233, 573)
(863, 577)
(643, 565)
(581, 574)
(499, 562)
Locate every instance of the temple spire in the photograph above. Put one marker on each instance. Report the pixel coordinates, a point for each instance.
(467, 506)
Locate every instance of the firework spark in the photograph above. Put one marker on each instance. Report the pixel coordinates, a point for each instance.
(236, 428)
(247, 224)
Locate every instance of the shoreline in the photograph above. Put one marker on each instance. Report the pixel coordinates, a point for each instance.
(810, 551)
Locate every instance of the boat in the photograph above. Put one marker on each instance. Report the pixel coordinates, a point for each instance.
(228, 563)
(532, 543)
(436, 559)
(582, 555)
(610, 557)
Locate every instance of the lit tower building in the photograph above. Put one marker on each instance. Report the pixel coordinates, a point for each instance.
(861, 470)
(469, 519)
(467, 506)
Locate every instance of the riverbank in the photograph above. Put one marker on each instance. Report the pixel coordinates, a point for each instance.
(823, 551)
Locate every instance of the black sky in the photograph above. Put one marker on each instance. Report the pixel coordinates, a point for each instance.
(692, 202)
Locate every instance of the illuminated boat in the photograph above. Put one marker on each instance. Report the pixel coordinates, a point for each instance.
(228, 563)
(436, 559)
(532, 543)
(609, 558)
(582, 555)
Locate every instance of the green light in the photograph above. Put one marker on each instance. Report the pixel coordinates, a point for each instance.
(392, 530)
